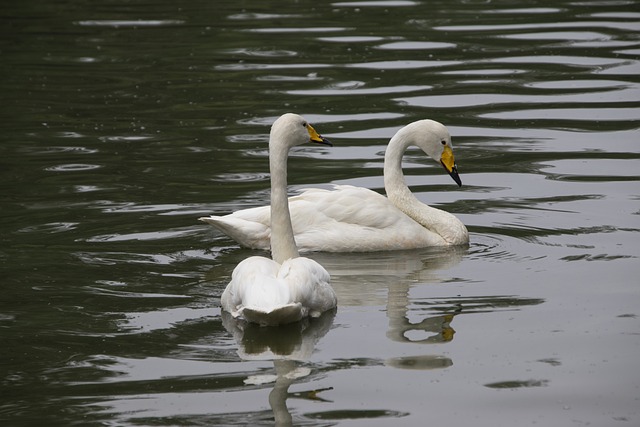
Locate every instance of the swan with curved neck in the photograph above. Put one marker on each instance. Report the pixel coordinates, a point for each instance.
(355, 219)
(288, 287)
(434, 139)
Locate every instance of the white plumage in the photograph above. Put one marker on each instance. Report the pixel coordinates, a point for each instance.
(354, 219)
(265, 292)
(288, 287)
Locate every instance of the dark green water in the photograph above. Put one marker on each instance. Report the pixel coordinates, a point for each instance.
(123, 122)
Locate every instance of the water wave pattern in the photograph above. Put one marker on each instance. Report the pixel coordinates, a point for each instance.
(125, 123)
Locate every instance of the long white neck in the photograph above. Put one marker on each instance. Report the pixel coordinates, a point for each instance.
(394, 183)
(440, 222)
(283, 245)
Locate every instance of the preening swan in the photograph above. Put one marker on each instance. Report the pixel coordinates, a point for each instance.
(288, 287)
(354, 219)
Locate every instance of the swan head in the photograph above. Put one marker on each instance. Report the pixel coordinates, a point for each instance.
(291, 130)
(434, 139)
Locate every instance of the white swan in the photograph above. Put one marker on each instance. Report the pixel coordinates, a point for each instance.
(354, 219)
(288, 287)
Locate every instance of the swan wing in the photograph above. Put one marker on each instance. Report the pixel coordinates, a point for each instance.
(342, 219)
(251, 279)
(348, 205)
(310, 284)
(355, 219)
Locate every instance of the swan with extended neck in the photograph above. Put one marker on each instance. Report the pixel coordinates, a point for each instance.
(355, 219)
(288, 287)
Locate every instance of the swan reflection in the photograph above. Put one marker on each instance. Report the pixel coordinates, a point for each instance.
(288, 346)
(386, 279)
(366, 279)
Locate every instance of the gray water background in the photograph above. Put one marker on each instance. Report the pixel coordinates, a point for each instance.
(123, 122)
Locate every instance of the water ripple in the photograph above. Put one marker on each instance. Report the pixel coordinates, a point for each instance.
(524, 10)
(492, 247)
(241, 66)
(248, 138)
(58, 150)
(144, 236)
(261, 52)
(52, 227)
(577, 114)
(72, 167)
(132, 23)
(577, 84)
(626, 94)
(325, 118)
(297, 30)
(621, 15)
(589, 61)
(108, 206)
(409, 45)
(609, 169)
(262, 16)
(614, 25)
(376, 3)
(564, 35)
(359, 91)
(351, 39)
(278, 78)
(241, 177)
(402, 64)
(145, 322)
(122, 258)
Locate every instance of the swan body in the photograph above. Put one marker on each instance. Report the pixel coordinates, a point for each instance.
(268, 293)
(355, 219)
(288, 287)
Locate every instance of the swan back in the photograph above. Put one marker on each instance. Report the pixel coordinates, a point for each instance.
(265, 292)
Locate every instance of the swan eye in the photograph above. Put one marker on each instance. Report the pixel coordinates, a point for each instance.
(304, 124)
(443, 142)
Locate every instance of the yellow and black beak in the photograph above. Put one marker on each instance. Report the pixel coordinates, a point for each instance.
(316, 137)
(448, 162)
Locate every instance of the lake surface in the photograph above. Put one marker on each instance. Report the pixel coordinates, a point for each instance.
(123, 122)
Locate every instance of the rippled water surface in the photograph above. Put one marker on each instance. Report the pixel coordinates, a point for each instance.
(123, 122)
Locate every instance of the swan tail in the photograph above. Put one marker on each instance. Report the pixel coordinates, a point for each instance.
(250, 234)
(278, 316)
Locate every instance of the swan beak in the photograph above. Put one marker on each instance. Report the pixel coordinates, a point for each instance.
(448, 162)
(316, 137)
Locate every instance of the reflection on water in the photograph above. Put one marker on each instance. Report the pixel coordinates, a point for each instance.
(295, 341)
(122, 124)
(373, 279)
(286, 346)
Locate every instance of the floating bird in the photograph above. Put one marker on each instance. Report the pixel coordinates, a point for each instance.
(288, 287)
